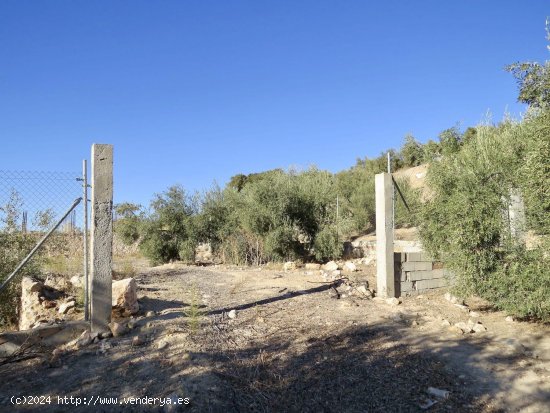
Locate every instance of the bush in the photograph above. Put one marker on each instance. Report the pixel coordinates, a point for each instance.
(535, 176)
(128, 219)
(521, 284)
(169, 229)
(327, 245)
(412, 151)
(463, 222)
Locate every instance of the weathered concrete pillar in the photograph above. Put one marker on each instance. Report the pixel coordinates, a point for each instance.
(101, 237)
(385, 284)
(516, 216)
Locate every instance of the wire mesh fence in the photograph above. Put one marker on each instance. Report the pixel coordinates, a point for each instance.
(32, 201)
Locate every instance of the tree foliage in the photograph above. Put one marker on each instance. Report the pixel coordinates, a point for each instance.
(464, 222)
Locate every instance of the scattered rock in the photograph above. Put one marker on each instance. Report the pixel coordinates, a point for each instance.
(118, 329)
(56, 282)
(31, 285)
(397, 317)
(474, 314)
(56, 355)
(367, 260)
(336, 273)
(84, 340)
(313, 266)
(203, 253)
(138, 340)
(427, 404)
(350, 266)
(453, 299)
(330, 266)
(333, 293)
(465, 327)
(289, 266)
(440, 394)
(150, 314)
(446, 323)
(125, 296)
(65, 307)
(162, 345)
(77, 281)
(49, 304)
(105, 334)
(364, 291)
(32, 310)
(393, 301)
(232, 314)
(479, 328)
(510, 319)
(455, 330)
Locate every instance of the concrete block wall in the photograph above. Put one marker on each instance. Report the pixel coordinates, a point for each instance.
(416, 272)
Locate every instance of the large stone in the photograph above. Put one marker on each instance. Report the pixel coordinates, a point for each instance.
(77, 281)
(125, 296)
(32, 309)
(364, 291)
(465, 327)
(30, 285)
(65, 307)
(479, 328)
(393, 301)
(203, 253)
(330, 266)
(118, 329)
(350, 266)
(454, 300)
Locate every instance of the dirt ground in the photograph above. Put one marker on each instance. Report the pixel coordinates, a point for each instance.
(293, 347)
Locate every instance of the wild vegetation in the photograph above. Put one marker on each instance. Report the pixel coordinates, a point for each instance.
(274, 216)
(291, 214)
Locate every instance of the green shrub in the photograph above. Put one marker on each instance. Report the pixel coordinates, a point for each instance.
(463, 223)
(535, 176)
(412, 151)
(521, 284)
(282, 244)
(169, 228)
(327, 245)
(186, 251)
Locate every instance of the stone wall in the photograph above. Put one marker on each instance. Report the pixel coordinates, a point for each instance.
(416, 272)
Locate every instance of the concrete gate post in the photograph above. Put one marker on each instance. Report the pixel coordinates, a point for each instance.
(101, 237)
(385, 283)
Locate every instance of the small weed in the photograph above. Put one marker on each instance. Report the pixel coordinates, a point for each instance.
(124, 269)
(238, 285)
(193, 312)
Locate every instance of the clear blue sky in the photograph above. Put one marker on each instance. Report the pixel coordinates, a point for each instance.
(195, 91)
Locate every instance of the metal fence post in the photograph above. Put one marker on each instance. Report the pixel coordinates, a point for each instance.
(85, 239)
